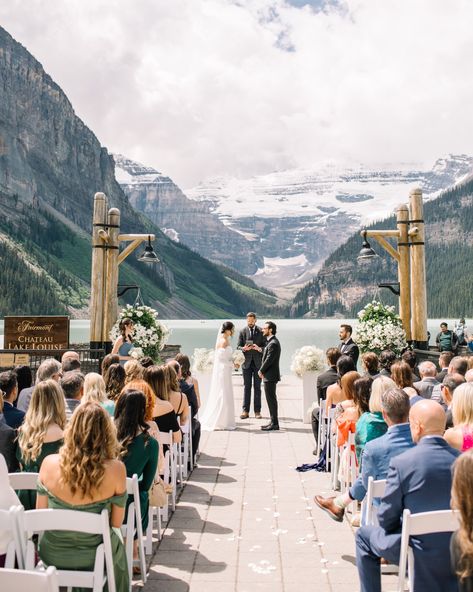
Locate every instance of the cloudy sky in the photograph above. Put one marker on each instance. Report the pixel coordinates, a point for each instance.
(199, 88)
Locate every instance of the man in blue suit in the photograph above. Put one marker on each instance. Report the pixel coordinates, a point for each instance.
(377, 453)
(420, 480)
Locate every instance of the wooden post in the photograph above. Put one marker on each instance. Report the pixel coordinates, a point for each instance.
(111, 277)
(403, 269)
(97, 282)
(418, 278)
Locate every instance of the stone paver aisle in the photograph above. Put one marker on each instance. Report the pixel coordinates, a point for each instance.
(246, 521)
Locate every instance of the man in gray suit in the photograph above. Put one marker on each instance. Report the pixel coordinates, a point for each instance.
(251, 342)
(428, 380)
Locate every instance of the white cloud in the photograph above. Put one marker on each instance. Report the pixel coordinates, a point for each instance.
(206, 87)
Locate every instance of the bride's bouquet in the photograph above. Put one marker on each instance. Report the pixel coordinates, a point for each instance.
(238, 357)
(307, 359)
(203, 359)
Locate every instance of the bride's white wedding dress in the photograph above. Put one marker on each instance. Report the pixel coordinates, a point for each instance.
(219, 413)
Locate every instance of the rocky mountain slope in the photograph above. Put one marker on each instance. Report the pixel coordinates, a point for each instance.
(185, 220)
(299, 217)
(344, 285)
(51, 164)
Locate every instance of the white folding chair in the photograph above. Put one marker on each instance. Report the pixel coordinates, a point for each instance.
(18, 580)
(38, 521)
(8, 528)
(132, 526)
(25, 481)
(322, 432)
(152, 512)
(419, 524)
(375, 489)
(185, 449)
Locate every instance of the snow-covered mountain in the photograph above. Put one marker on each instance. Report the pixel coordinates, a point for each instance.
(300, 216)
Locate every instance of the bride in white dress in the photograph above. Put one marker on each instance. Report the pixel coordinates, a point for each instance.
(219, 413)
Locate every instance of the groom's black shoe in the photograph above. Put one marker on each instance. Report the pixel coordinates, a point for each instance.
(270, 427)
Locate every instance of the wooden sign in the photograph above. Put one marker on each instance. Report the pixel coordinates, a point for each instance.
(36, 333)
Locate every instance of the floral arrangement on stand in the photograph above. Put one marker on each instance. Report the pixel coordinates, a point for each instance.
(307, 359)
(379, 328)
(238, 357)
(150, 336)
(203, 359)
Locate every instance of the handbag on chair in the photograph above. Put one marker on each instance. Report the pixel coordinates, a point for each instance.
(157, 494)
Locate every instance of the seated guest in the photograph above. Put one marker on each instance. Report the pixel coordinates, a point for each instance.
(461, 435)
(114, 379)
(24, 377)
(324, 380)
(70, 355)
(334, 391)
(419, 480)
(448, 386)
(444, 361)
(163, 412)
(70, 365)
(461, 543)
(94, 392)
(133, 371)
(72, 385)
(469, 375)
(9, 386)
(347, 383)
(139, 451)
(190, 387)
(108, 360)
(85, 476)
(41, 433)
(142, 386)
(386, 360)
(401, 373)
(410, 358)
(370, 364)
(177, 399)
(8, 499)
(376, 454)
(50, 368)
(7, 442)
(458, 365)
(146, 362)
(427, 382)
(371, 424)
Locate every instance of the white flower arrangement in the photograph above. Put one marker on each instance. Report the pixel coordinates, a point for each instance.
(136, 353)
(150, 335)
(379, 328)
(238, 357)
(203, 359)
(307, 359)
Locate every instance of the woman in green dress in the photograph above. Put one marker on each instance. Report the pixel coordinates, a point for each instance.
(85, 476)
(41, 433)
(371, 424)
(139, 450)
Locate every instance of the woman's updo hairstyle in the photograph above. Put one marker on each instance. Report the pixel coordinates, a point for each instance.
(227, 326)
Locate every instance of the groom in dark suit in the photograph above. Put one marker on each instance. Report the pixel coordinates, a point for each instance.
(269, 373)
(251, 342)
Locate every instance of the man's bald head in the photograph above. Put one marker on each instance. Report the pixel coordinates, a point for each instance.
(427, 418)
(70, 355)
(469, 376)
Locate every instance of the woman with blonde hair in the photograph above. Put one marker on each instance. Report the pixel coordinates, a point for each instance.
(461, 543)
(371, 424)
(133, 371)
(94, 392)
(461, 435)
(41, 433)
(85, 476)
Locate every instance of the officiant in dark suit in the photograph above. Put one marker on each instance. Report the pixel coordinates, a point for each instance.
(347, 346)
(270, 373)
(251, 341)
